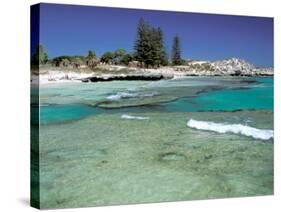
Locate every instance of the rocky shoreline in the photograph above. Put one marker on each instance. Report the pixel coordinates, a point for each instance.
(102, 73)
(122, 78)
(228, 67)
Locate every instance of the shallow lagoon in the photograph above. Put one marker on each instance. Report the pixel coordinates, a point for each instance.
(92, 156)
(71, 102)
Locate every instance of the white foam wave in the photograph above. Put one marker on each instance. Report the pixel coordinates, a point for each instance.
(125, 116)
(121, 95)
(263, 134)
(124, 95)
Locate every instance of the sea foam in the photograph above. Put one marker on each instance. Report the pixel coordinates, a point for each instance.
(263, 134)
(125, 116)
(124, 95)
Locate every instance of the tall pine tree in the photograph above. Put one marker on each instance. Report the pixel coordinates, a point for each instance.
(176, 51)
(157, 45)
(142, 44)
(154, 52)
(163, 57)
(149, 45)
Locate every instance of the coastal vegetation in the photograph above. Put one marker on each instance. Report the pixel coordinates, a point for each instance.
(118, 57)
(149, 46)
(149, 52)
(176, 52)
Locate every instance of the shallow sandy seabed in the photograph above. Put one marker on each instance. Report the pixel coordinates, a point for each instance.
(106, 160)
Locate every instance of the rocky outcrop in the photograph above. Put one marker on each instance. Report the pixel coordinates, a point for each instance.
(232, 67)
(229, 67)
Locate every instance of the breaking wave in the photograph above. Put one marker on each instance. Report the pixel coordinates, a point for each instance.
(231, 128)
(125, 95)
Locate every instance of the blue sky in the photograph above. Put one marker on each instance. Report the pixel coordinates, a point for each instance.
(73, 30)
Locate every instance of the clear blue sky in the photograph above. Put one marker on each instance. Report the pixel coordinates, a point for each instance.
(73, 30)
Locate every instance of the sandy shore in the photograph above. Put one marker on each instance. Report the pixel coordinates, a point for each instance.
(52, 75)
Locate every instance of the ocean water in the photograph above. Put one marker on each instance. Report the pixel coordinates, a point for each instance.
(190, 138)
(256, 97)
(72, 102)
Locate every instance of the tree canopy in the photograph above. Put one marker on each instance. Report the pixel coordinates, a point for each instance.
(149, 51)
(118, 54)
(176, 52)
(126, 59)
(107, 57)
(117, 57)
(149, 45)
(91, 59)
(91, 55)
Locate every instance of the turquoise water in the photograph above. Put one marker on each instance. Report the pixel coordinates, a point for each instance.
(227, 97)
(64, 113)
(254, 97)
(129, 142)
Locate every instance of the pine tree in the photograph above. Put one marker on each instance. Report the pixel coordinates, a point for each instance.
(154, 59)
(163, 58)
(149, 45)
(176, 51)
(142, 43)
